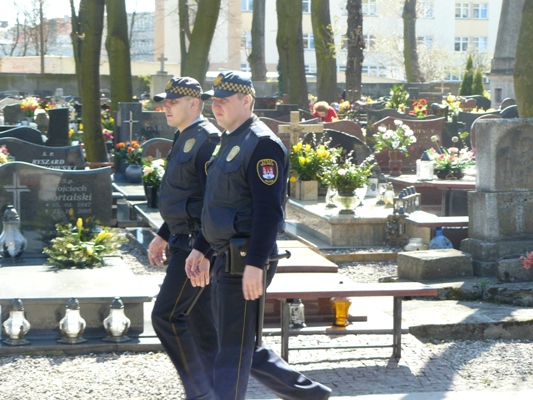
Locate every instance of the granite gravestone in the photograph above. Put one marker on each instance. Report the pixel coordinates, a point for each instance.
(24, 133)
(128, 122)
(44, 197)
(58, 127)
(13, 114)
(422, 129)
(350, 127)
(67, 157)
(154, 125)
(279, 111)
(156, 148)
(467, 104)
(468, 118)
(473, 129)
(499, 210)
(510, 112)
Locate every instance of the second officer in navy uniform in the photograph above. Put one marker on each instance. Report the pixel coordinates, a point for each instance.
(245, 197)
(190, 341)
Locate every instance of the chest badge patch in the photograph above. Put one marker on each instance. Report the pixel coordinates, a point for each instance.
(233, 152)
(188, 145)
(267, 169)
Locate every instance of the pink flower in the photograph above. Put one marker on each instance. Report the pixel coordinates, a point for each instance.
(528, 261)
(453, 150)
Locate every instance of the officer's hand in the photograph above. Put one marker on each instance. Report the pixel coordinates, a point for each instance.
(252, 282)
(156, 251)
(203, 278)
(192, 264)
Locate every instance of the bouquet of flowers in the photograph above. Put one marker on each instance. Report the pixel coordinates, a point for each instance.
(108, 124)
(398, 99)
(453, 103)
(348, 176)
(451, 159)
(394, 140)
(28, 106)
(153, 171)
(306, 161)
(5, 157)
(527, 260)
(131, 152)
(419, 108)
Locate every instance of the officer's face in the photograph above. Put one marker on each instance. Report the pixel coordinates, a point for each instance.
(177, 111)
(232, 111)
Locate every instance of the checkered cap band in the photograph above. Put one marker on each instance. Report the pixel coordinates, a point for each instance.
(235, 87)
(184, 91)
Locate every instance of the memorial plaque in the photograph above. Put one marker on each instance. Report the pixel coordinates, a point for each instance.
(67, 157)
(422, 129)
(154, 125)
(44, 197)
(24, 133)
(157, 148)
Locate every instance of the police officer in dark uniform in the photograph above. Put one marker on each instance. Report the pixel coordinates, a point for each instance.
(245, 196)
(190, 341)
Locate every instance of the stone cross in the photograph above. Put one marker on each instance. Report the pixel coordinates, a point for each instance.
(442, 87)
(131, 122)
(162, 58)
(294, 129)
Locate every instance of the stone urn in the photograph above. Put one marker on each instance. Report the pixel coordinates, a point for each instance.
(395, 163)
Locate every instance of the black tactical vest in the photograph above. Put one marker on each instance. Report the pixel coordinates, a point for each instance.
(228, 202)
(181, 198)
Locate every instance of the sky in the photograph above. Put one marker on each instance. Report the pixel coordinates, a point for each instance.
(60, 8)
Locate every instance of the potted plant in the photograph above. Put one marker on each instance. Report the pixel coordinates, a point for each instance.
(345, 178)
(450, 163)
(396, 142)
(306, 163)
(152, 175)
(132, 154)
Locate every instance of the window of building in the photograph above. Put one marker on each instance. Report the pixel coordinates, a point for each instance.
(427, 8)
(461, 43)
(499, 94)
(246, 40)
(374, 70)
(370, 42)
(480, 10)
(309, 69)
(425, 40)
(306, 6)
(370, 7)
(341, 68)
(479, 43)
(462, 10)
(247, 5)
(245, 67)
(309, 41)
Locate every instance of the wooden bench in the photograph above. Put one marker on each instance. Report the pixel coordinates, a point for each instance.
(312, 285)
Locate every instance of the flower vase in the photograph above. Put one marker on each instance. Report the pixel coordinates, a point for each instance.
(449, 175)
(346, 201)
(152, 196)
(395, 163)
(134, 173)
(361, 193)
(330, 195)
(306, 190)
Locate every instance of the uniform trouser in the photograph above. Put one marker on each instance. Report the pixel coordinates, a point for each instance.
(190, 341)
(237, 358)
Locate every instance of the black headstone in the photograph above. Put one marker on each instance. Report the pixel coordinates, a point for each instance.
(468, 118)
(44, 197)
(67, 157)
(157, 147)
(58, 127)
(129, 122)
(154, 125)
(510, 112)
(481, 101)
(24, 133)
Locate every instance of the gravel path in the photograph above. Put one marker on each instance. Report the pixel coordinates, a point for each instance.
(455, 366)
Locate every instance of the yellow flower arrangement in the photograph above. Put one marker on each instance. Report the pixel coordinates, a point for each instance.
(307, 161)
(28, 105)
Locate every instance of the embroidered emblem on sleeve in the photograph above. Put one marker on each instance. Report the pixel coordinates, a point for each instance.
(267, 169)
(232, 153)
(188, 145)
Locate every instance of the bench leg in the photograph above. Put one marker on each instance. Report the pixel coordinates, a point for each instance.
(285, 318)
(397, 328)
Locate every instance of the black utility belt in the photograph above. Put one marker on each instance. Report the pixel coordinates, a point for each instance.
(236, 255)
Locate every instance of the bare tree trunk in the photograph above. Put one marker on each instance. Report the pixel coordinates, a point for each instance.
(410, 52)
(41, 34)
(256, 59)
(195, 64)
(291, 51)
(118, 51)
(523, 68)
(76, 36)
(356, 44)
(325, 51)
(185, 32)
(92, 26)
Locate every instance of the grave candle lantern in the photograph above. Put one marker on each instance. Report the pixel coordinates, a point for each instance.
(72, 325)
(16, 326)
(424, 168)
(116, 324)
(12, 243)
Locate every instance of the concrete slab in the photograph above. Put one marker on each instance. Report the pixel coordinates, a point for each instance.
(439, 264)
